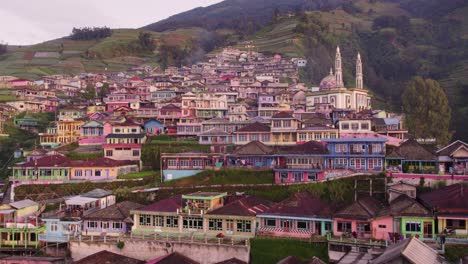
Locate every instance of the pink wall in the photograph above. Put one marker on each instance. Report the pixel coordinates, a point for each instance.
(290, 179)
(107, 129)
(386, 226)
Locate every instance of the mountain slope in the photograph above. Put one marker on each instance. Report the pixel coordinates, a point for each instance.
(238, 14)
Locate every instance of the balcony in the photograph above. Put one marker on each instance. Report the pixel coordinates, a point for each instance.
(54, 238)
(191, 211)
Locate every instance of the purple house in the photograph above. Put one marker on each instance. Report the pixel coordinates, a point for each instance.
(112, 220)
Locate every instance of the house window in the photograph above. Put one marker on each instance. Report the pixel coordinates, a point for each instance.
(244, 226)
(136, 153)
(117, 130)
(109, 153)
(302, 136)
(78, 173)
(344, 226)
(215, 224)
(413, 226)
(197, 163)
(53, 227)
(184, 163)
(318, 136)
(229, 225)
(192, 223)
(172, 221)
(242, 137)
(92, 224)
(158, 220)
(117, 225)
(284, 175)
(345, 126)
(341, 148)
(382, 226)
(104, 225)
(171, 163)
(145, 220)
(134, 130)
(456, 224)
(364, 126)
(302, 225)
(354, 126)
(269, 223)
(376, 148)
(266, 138)
(363, 227)
(328, 226)
(253, 137)
(88, 173)
(277, 123)
(312, 176)
(287, 123)
(298, 176)
(97, 173)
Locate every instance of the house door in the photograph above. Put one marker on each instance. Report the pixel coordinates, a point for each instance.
(318, 228)
(286, 225)
(358, 164)
(427, 229)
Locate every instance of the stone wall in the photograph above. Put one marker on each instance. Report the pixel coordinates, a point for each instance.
(205, 253)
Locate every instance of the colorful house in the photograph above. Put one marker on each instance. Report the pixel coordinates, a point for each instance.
(180, 165)
(92, 133)
(216, 138)
(20, 226)
(101, 169)
(154, 127)
(316, 132)
(411, 157)
(301, 215)
(450, 207)
(356, 154)
(453, 158)
(60, 230)
(253, 154)
(237, 218)
(301, 163)
(124, 143)
(112, 220)
(284, 129)
(178, 214)
(253, 132)
(47, 168)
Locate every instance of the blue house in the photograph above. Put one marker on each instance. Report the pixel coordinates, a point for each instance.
(60, 230)
(162, 95)
(357, 154)
(154, 127)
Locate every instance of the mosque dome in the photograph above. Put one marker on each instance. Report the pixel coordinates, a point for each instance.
(328, 82)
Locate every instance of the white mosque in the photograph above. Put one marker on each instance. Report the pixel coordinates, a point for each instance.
(332, 91)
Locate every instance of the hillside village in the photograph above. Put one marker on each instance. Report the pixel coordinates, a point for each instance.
(238, 110)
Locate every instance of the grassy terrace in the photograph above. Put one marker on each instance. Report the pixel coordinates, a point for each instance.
(223, 177)
(272, 250)
(454, 253)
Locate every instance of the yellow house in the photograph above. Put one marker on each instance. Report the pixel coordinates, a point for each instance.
(95, 108)
(101, 169)
(316, 133)
(284, 129)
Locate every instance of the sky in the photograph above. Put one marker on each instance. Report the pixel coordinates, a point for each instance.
(25, 22)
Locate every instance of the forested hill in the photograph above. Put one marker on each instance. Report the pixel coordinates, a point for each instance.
(242, 15)
(398, 39)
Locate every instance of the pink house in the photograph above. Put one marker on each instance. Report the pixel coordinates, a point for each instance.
(19, 83)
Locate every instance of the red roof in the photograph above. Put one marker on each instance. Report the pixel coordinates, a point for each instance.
(452, 199)
(135, 79)
(301, 204)
(255, 127)
(166, 205)
(48, 161)
(246, 206)
(104, 162)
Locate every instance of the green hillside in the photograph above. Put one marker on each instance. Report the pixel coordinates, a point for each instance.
(117, 52)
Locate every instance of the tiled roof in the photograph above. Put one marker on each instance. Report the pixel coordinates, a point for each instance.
(412, 150)
(173, 258)
(214, 132)
(104, 257)
(452, 199)
(246, 206)
(127, 122)
(168, 205)
(283, 114)
(449, 149)
(255, 127)
(366, 207)
(103, 162)
(253, 148)
(405, 206)
(301, 204)
(310, 147)
(47, 161)
(171, 107)
(232, 261)
(120, 211)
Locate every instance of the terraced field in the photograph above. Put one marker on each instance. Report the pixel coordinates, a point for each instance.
(111, 53)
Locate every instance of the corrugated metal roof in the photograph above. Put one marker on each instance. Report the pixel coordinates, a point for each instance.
(23, 204)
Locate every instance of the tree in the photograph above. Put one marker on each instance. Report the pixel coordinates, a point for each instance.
(146, 41)
(427, 110)
(3, 48)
